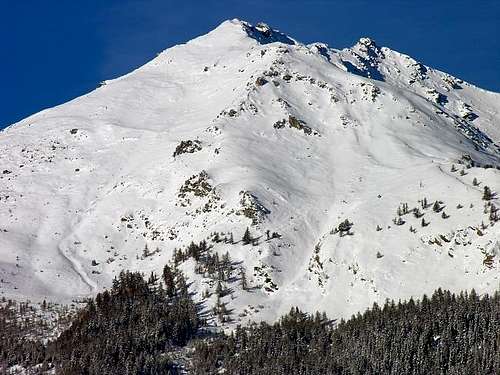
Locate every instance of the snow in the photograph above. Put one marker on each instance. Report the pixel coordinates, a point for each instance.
(385, 130)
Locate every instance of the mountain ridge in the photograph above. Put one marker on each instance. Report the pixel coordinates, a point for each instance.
(237, 129)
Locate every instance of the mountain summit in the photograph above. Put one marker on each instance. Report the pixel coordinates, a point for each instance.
(271, 172)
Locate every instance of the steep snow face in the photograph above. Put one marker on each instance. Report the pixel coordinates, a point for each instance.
(246, 127)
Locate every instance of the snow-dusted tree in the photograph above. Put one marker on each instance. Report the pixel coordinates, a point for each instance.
(169, 281)
(436, 207)
(247, 237)
(487, 194)
(243, 279)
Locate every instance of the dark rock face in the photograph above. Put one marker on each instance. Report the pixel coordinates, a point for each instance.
(188, 146)
(264, 34)
(261, 81)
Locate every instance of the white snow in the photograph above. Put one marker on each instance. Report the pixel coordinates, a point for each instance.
(384, 130)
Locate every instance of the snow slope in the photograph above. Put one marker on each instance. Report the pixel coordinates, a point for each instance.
(285, 137)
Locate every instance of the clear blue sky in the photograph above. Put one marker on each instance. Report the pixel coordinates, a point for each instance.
(54, 50)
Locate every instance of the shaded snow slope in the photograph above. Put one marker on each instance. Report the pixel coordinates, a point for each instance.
(268, 134)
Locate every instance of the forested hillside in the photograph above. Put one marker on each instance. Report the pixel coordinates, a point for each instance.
(153, 327)
(444, 334)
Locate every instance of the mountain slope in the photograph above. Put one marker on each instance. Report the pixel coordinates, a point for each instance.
(245, 127)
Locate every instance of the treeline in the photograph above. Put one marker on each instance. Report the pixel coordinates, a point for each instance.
(140, 326)
(129, 329)
(15, 346)
(446, 334)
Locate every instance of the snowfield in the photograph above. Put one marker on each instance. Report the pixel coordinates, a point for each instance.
(269, 134)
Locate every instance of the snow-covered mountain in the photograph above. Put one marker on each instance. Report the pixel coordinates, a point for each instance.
(246, 127)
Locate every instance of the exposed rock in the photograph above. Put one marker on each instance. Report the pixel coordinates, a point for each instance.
(264, 29)
(261, 81)
(188, 146)
(279, 124)
(252, 208)
(299, 124)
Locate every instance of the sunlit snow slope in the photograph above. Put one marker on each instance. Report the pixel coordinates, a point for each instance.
(284, 137)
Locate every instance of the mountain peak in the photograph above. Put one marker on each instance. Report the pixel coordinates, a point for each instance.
(367, 47)
(238, 32)
(264, 34)
(368, 42)
(260, 32)
(359, 178)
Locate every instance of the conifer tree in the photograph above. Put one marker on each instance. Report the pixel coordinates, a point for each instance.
(436, 207)
(487, 194)
(169, 281)
(243, 279)
(247, 237)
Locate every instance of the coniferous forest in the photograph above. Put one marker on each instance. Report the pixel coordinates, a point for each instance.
(141, 325)
(446, 334)
(126, 330)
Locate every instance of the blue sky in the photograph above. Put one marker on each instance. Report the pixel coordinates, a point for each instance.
(55, 50)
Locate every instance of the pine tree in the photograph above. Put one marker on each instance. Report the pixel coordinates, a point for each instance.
(398, 221)
(145, 252)
(153, 280)
(417, 213)
(243, 279)
(169, 281)
(216, 237)
(219, 290)
(424, 203)
(436, 207)
(487, 194)
(247, 237)
(181, 288)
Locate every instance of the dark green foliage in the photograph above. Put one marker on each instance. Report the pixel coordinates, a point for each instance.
(487, 194)
(247, 237)
(424, 203)
(128, 329)
(417, 213)
(132, 328)
(446, 334)
(15, 348)
(243, 279)
(207, 261)
(169, 281)
(494, 215)
(437, 207)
